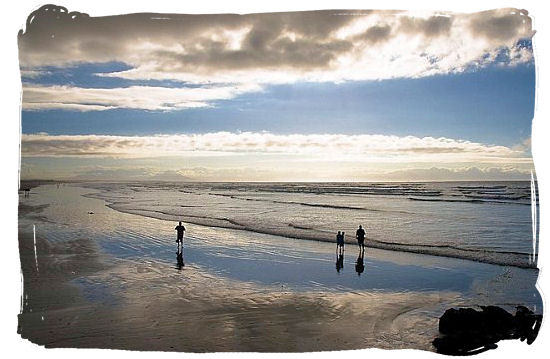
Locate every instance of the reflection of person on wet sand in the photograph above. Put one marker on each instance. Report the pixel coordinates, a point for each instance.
(339, 262)
(181, 230)
(360, 264)
(179, 259)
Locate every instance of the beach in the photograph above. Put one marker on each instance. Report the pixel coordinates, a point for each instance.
(98, 275)
(347, 179)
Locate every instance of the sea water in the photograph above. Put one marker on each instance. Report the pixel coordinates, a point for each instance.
(272, 262)
(484, 221)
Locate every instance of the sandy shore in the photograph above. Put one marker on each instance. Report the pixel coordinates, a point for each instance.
(77, 296)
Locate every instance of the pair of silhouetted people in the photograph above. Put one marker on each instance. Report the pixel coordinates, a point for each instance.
(359, 234)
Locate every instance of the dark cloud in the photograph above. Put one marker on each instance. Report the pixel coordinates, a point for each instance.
(505, 25)
(376, 33)
(299, 42)
(261, 49)
(316, 24)
(430, 27)
(54, 33)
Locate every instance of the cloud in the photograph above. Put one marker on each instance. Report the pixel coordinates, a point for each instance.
(432, 26)
(336, 45)
(185, 174)
(363, 148)
(377, 33)
(136, 174)
(126, 170)
(135, 97)
(501, 26)
(32, 74)
(459, 174)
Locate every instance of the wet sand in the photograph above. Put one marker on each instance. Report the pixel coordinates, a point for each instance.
(77, 294)
(49, 301)
(159, 308)
(154, 306)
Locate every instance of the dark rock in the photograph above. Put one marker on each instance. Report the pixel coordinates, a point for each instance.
(466, 331)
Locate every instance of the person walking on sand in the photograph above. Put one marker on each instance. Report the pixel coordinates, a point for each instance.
(360, 235)
(340, 242)
(181, 230)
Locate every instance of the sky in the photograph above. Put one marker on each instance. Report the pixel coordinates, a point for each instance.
(339, 95)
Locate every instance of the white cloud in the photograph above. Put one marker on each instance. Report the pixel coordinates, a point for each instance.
(135, 97)
(363, 148)
(33, 73)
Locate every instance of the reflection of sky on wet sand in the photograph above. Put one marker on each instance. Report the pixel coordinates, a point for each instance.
(196, 310)
(277, 262)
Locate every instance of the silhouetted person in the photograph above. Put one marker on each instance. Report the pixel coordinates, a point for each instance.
(360, 235)
(340, 242)
(179, 259)
(181, 230)
(340, 262)
(360, 264)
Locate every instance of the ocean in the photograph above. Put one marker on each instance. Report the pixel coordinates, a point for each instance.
(492, 222)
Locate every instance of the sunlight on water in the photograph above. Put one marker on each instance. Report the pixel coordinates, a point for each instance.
(270, 260)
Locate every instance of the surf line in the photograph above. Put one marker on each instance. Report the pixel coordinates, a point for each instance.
(34, 239)
(534, 224)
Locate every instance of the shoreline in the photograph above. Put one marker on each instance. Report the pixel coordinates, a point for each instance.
(226, 315)
(520, 260)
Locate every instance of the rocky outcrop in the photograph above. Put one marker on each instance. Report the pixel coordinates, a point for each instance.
(466, 331)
